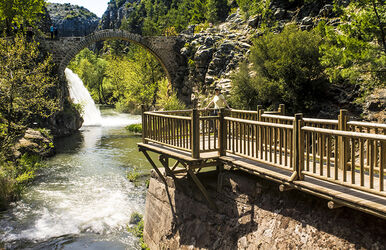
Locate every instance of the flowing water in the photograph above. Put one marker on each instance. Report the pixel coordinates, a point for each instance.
(82, 199)
(80, 95)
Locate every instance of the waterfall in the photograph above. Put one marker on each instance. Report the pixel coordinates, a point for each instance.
(80, 95)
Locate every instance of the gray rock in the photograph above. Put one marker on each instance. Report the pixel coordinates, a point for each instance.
(279, 13)
(34, 142)
(326, 11)
(307, 21)
(203, 56)
(72, 20)
(253, 21)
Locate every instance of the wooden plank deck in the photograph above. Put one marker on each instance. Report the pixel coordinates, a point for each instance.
(343, 195)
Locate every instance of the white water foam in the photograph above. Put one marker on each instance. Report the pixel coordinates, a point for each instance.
(80, 95)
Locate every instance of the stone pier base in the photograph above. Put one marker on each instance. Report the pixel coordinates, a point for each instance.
(252, 214)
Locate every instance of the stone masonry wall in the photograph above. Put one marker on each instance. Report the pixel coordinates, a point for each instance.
(252, 214)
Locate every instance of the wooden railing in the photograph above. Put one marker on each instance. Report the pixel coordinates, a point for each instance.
(268, 142)
(347, 153)
(351, 159)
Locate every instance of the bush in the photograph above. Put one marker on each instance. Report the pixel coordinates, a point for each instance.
(286, 69)
(135, 128)
(167, 98)
(14, 176)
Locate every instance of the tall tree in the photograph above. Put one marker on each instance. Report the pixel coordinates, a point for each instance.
(20, 11)
(27, 90)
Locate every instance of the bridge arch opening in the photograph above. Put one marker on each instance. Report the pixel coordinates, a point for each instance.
(145, 42)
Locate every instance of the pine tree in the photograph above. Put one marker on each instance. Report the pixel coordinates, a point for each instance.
(198, 12)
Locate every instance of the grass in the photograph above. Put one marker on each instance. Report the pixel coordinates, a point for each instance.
(136, 228)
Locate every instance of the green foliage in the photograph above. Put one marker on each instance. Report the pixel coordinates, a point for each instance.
(133, 175)
(137, 220)
(20, 11)
(217, 10)
(155, 17)
(355, 50)
(167, 98)
(135, 128)
(244, 90)
(126, 80)
(14, 176)
(285, 68)
(28, 92)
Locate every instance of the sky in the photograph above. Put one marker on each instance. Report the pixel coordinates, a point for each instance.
(96, 6)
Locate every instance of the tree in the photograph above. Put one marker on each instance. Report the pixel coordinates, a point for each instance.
(355, 50)
(217, 10)
(198, 12)
(285, 69)
(20, 11)
(27, 90)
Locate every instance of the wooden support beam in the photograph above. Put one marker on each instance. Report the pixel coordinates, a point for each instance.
(284, 188)
(334, 205)
(175, 165)
(202, 189)
(154, 166)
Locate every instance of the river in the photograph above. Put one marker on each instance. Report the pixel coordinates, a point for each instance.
(82, 198)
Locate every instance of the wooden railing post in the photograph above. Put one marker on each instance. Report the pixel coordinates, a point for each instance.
(222, 133)
(298, 145)
(259, 108)
(342, 142)
(195, 134)
(282, 109)
(144, 123)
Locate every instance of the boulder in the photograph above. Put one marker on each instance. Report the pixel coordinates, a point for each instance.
(326, 11)
(253, 21)
(35, 142)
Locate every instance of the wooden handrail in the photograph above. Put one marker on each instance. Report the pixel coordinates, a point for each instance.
(267, 124)
(367, 124)
(244, 111)
(345, 133)
(169, 116)
(321, 121)
(280, 117)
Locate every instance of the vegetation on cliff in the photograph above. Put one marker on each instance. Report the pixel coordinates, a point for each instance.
(27, 98)
(299, 67)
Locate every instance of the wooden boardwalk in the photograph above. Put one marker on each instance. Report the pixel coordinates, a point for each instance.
(337, 160)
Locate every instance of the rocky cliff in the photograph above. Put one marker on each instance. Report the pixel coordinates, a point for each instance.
(72, 20)
(115, 13)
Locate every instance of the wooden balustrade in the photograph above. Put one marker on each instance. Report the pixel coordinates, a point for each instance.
(362, 167)
(346, 153)
(267, 142)
(169, 130)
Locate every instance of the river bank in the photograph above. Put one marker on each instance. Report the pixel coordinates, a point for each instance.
(83, 197)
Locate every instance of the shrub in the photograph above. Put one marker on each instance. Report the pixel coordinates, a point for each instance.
(137, 229)
(286, 69)
(135, 128)
(167, 98)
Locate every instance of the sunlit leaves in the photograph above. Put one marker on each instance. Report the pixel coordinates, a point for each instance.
(27, 90)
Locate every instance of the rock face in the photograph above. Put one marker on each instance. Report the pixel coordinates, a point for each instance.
(115, 13)
(375, 106)
(214, 53)
(72, 20)
(35, 142)
(252, 214)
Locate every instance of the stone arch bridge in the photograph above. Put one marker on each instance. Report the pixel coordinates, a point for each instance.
(165, 49)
